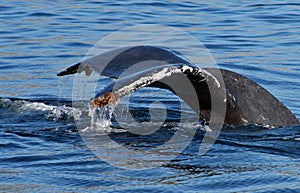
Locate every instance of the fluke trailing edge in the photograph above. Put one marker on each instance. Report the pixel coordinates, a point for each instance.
(245, 101)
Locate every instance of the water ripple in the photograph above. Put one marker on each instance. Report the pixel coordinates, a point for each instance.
(40, 147)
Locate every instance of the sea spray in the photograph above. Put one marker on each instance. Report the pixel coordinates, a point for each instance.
(101, 117)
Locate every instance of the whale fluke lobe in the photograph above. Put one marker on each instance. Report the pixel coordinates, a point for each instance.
(246, 102)
(71, 70)
(249, 103)
(115, 62)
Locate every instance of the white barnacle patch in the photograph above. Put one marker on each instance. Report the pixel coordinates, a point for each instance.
(208, 75)
(148, 79)
(262, 117)
(186, 68)
(245, 120)
(231, 96)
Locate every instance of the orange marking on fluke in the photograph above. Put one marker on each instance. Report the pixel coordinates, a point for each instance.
(107, 98)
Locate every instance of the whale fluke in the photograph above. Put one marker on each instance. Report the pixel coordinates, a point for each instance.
(246, 102)
(113, 63)
(71, 70)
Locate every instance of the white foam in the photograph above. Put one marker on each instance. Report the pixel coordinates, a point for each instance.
(50, 111)
(100, 118)
(37, 106)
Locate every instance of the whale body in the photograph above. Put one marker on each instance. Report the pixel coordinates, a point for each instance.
(244, 100)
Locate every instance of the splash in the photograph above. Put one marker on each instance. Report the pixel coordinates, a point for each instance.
(33, 108)
(101, 118)
(101, 111)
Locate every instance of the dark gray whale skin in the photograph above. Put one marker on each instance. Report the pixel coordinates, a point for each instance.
(246, 101)
(253, 103)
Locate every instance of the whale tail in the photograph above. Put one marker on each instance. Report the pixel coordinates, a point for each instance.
(245, 101)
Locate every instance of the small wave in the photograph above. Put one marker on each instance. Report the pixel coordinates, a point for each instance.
(50, 112)
(42, 14)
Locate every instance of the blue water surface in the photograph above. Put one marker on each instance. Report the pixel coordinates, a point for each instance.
(40, 147)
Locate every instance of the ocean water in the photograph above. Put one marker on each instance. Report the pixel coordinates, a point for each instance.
(41, 148)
